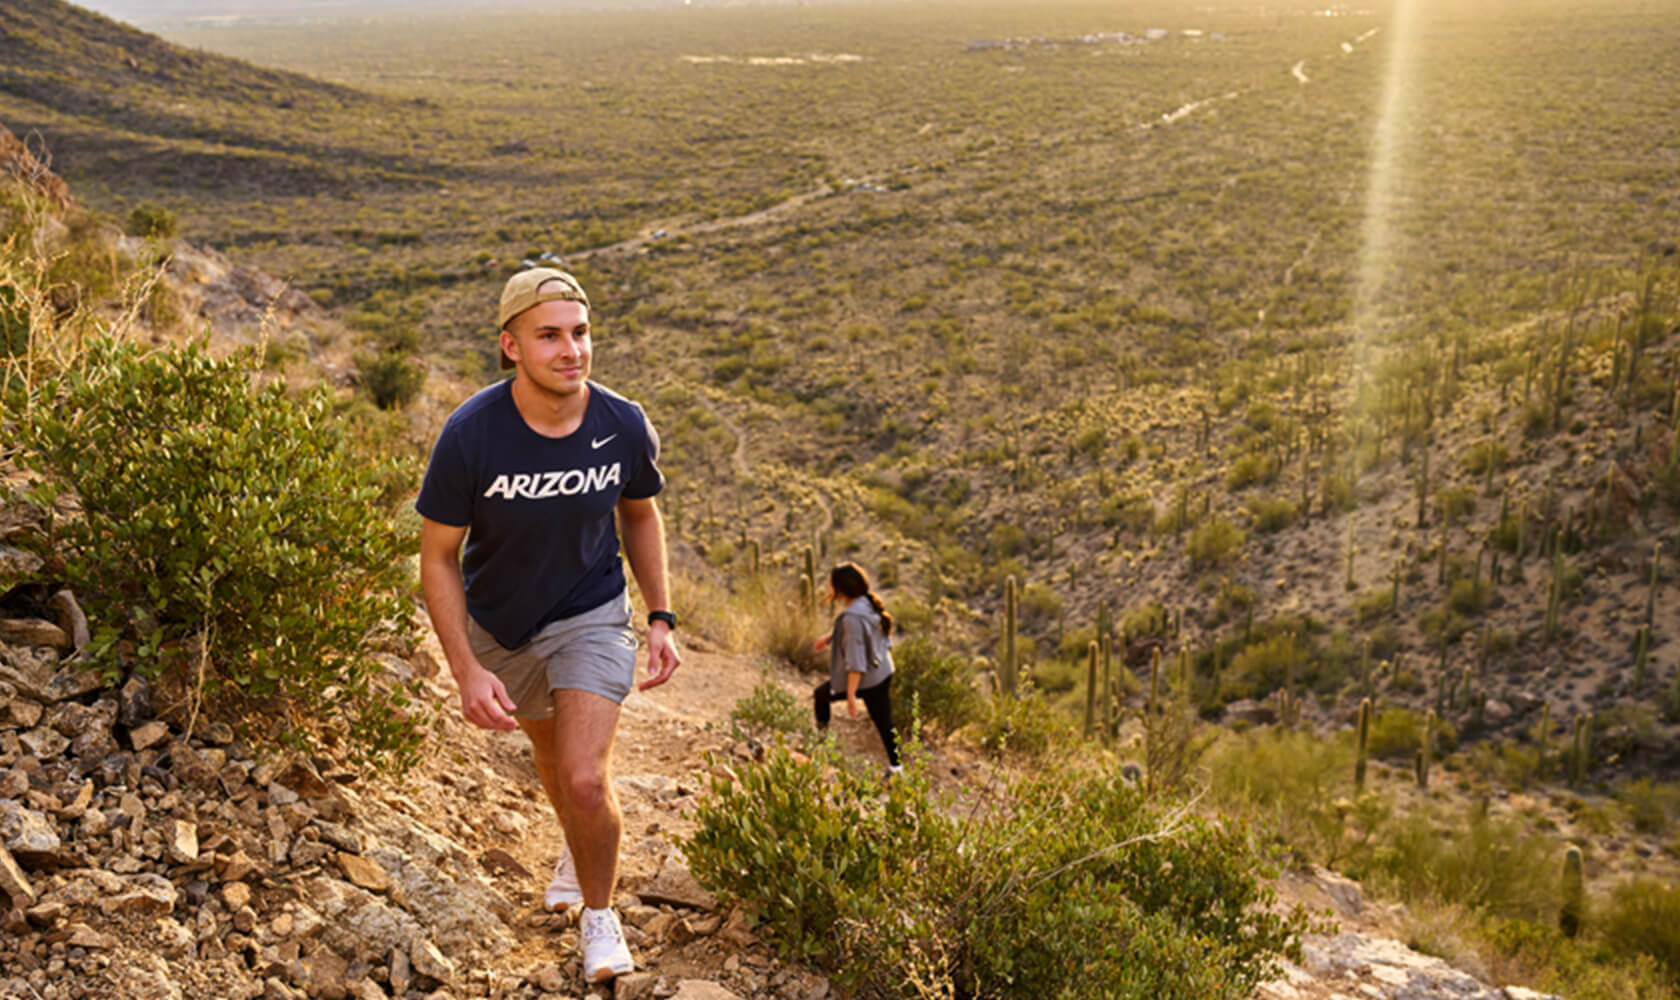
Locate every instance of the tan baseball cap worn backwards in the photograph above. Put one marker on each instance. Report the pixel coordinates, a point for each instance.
(528, 288)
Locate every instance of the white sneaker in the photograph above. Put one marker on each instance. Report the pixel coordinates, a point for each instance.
(605, 954)
(563, 891)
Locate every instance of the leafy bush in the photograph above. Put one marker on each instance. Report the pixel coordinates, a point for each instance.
(230, 538)
(1456, 502)
(1272, 513)
(1395, 733)
(1372, 604)
(1265, 665)
(151, 221)
(1491, 865)
(1294, 782)
(1467, 596)
(1649, 805)
(1251, 469)
(770, 709)
(1643, 917)
(1479, 455)
(1215, 543)
(1026, 725)
(393, 379)
(1073, 886)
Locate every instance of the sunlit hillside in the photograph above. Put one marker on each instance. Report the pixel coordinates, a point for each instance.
(1277, 357)
(1136, 304)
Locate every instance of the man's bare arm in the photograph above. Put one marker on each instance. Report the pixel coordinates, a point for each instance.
(484, 701)
(643, 531)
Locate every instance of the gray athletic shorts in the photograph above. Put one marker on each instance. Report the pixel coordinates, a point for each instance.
(594, 651)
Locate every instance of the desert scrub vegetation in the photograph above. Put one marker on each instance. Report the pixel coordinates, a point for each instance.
(1495, 875)
(1065, 886)
(228, 537)
(231, 539)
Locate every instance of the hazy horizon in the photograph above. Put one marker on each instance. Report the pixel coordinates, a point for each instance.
(151, 13)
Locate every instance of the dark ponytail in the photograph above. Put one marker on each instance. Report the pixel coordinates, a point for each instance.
(850, 581)
(880, 609)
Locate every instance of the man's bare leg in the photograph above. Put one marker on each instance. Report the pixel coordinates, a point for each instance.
(573, 755)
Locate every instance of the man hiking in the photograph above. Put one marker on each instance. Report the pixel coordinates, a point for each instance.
(520, 566)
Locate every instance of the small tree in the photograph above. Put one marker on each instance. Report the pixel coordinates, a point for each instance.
(230, 540)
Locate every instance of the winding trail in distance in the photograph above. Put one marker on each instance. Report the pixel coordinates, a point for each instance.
(710, 226)
(1298, 71)
(741, 464)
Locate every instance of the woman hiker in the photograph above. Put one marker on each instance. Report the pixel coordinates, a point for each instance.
(859, 657)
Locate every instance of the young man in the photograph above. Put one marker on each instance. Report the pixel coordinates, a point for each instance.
(531, 475)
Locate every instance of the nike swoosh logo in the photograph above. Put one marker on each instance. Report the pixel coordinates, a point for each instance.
(596, 444)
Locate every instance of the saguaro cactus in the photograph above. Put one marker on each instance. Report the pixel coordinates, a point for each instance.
(811, 578)
(1542, 737)
(1364, 740)
(1423, 488)
(1426, 752)
(1007, 670)
(1155, 681)
(1580, 752)
(1348, 583)
(1656, 578)
(1572, 914)
(1641, 653)
(1111, 699)
(1091, 689)
(1554, 593)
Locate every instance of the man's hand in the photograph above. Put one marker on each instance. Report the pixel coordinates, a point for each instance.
(484, 700)
(852, 706)
(663, 656)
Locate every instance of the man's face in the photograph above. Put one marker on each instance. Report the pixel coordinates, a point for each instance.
(549, 345)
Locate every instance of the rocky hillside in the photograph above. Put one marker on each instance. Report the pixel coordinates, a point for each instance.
(144, 861)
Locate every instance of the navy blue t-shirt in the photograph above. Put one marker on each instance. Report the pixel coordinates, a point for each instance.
(542, 539)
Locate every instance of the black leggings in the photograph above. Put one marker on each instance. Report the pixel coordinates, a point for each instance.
(877, 700)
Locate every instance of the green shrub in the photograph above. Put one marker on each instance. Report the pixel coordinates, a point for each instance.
(1251, 469)
(1478, 455)
(1294, 782)
(1272, 513)
(1072, 886)
(1058, 676)
(935, 687)
(391, 378)
(770, 709)
(1215, 543)
(237, 520)
(1649, 805)
(1026, 725)
(1145, 620)
(1467, 597)
(151, 221)
(1040, 604)
(1492, 865)
(1643, 917)
(1395, 733)
(1456, 502)
(85, 268)
(1372, 604)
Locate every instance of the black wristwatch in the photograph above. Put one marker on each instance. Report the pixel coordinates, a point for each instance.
(667, 617)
